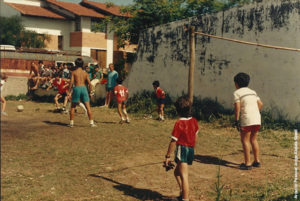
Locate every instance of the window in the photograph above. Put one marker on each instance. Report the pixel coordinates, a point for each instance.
(77, 24)
(60, 43)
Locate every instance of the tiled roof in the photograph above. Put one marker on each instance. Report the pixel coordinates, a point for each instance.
(76, 9)
(113, 10)
(34, 11)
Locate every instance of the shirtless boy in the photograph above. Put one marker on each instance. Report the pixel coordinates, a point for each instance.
(34, 75)
(80, 93)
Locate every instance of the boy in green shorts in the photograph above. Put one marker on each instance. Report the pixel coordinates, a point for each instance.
(184, 137)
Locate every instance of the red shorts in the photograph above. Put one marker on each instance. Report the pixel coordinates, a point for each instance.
(253, 128)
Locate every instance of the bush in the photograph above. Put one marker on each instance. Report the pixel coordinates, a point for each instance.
(19, 97)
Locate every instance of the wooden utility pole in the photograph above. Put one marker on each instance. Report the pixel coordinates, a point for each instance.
(192, 63)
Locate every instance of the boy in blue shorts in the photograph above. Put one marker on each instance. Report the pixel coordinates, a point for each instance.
(184, 138)
(112, 77)
(247, 106)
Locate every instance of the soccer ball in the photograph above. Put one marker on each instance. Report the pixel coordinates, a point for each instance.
(20, 108)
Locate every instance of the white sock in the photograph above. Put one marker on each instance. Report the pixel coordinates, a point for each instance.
(91, 121)
(71, 122)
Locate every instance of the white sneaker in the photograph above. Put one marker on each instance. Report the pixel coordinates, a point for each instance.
(127, 121)
(71, 125)
(93, 125)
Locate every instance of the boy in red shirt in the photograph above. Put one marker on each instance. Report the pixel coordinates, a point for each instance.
(160, 95)
(62, 87)
(184, 137)
(122, 94)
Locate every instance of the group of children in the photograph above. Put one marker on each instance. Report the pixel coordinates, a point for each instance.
(247, 106)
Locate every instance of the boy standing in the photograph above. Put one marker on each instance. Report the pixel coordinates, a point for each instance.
(160, 95)
(80, 93)
(112, 77)
(184, 138)
(122, 94)
(247, 106)
(3, 101)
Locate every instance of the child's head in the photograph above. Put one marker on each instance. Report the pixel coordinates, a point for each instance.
(79, 62)
(155, 84)
(183, 106)
(3, 76)
(119, 80)
(242, 79)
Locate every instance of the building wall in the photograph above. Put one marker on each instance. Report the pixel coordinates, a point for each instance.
(26, 2)
(163, 54)
(7, 11)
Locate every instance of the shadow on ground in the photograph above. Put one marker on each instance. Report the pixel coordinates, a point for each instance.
(215, 161)
(55, 123)
(138, 193)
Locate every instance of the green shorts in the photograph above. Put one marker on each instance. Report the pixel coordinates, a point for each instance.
(184, 154)
(80, 93)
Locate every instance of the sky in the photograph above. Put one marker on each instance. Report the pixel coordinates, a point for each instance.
(117, 2)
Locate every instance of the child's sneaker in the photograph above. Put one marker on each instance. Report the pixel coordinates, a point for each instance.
(93, 125)
(256, 164)
(121, 122)
(71, 125)
(243, 166)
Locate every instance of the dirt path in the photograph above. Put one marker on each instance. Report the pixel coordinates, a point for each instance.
(42, 159)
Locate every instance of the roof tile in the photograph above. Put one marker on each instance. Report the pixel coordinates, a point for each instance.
(35, 11)
(77, 9)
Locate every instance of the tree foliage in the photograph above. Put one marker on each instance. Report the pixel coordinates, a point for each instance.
(12, 32)
(148, 13)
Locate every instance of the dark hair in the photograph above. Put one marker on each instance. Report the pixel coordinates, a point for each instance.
(79, 62)
(40, 61)
(242, 79)
(119, 80)
(183, 106)
(156, 83)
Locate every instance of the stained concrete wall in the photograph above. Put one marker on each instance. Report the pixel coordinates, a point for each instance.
(163, 54)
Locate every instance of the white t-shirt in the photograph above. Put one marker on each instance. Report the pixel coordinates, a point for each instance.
(2, 84)
(248, 98)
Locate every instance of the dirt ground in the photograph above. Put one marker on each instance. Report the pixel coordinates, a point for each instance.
(43, 159)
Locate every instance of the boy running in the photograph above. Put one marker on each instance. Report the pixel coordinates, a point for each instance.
(184, 138)
(122, 94)
(160, 95)
(80, 93)
(247, 106)
(62, 87)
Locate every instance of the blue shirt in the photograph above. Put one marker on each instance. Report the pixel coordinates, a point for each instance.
(112, 79)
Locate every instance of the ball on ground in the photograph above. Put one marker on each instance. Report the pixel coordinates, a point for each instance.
(20, 108)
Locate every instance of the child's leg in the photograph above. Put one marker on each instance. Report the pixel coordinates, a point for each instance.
(83, 107)
(161, 111)
(178, 179)
(184, 175)
(66, 101)
(58, 96)
(120, 110)
(245, 139)
(3, 101)
(125, 112)
(255, 147)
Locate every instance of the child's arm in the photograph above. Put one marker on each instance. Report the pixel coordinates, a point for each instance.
(237, 109)
(260, 104)
(171, 149)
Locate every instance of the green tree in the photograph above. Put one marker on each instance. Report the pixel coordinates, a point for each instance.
(12, 32)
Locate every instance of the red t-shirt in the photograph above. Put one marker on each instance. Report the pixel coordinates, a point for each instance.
(60, 86)
(160, 93)
(121, 93)
(185, 131)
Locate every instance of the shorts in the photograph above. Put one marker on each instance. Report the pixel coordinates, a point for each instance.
(253, 128)
(161, 101)
(64, 94)
(109, 88)
(123, 102)
(80, 93)
(184, 154)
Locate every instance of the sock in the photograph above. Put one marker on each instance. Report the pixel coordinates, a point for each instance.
(91, 121)
(83, 107)
(71, 122)
(123, 119)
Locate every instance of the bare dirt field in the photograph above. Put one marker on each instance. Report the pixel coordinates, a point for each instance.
(43, 159)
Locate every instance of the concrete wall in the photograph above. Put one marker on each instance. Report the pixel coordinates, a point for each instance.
(163, 54)
(15, 86)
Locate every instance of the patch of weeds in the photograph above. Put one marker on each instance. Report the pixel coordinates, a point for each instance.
(19, 97)
(219, 187)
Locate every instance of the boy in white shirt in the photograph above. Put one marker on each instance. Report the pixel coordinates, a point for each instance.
(3, 101)
(247, 106)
